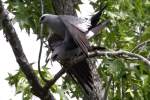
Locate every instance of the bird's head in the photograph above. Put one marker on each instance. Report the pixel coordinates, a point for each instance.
(44, 18)
(48, 18)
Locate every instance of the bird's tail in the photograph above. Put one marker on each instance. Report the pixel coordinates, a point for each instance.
(95, 18)
(94, 31)
(81, 73)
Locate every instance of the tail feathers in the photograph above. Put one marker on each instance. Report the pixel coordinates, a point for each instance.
(100, 26)
(94, 31)
(81, 73)
(95, 18)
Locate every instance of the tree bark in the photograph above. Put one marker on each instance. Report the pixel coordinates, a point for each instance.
(65, 6)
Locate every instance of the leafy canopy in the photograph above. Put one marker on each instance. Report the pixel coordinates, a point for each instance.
(130, 26)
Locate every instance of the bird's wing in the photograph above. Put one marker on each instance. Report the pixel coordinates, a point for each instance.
(77, 35)
(81, 74)
(80, 23)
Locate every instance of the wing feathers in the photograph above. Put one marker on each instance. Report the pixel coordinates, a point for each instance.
(77, 35)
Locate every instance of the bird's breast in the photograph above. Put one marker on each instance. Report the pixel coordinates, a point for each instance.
(58, 28)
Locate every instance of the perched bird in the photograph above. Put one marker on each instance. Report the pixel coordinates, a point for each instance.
(69, 39)
(63, 50)
(71, 28)
(80, 72)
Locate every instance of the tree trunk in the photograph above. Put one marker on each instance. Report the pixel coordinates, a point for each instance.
(65, 6)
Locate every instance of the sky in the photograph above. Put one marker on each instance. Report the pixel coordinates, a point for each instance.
(30, 46)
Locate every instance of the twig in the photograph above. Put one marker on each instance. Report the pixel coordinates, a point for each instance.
(107, 88)
(56, 77)
(47, 57)
(140, 45)
(46, 62)
(39, 60)
(41, 44)
(42, 6)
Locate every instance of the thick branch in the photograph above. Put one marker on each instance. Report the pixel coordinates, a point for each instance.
(97, 53)
(14, 41)
(120, 54)
(56, 77)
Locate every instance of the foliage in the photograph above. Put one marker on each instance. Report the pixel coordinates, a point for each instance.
(21, 84)
(28, 12)
(130, 26)
(71, 88)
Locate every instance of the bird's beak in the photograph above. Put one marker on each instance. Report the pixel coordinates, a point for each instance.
(41, 19)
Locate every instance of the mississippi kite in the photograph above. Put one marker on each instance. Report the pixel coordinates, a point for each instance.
(71, 28)
(70, 40)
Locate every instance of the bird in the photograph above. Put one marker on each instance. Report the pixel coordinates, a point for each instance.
(72, 29)
(63, 50)
(80, 72)
(70, 39)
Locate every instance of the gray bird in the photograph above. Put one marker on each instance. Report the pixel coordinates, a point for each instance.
(69, 39)
(70, 29)
(80, 72)
(64, 50)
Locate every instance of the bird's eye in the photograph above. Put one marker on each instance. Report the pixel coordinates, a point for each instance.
(42, 18)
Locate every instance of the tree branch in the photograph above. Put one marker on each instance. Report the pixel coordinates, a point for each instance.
(120, 53)
(140, 45)
(26, 68)
(96, 53)
(56, 77)
(41, 44)
(108, 87)
(69, 63)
